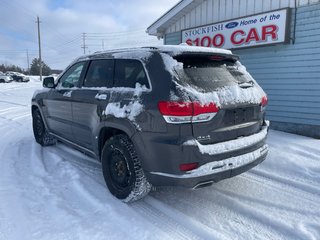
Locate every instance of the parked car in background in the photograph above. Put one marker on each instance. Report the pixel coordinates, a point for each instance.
(18, 77)
(5, 78)
(162, 116)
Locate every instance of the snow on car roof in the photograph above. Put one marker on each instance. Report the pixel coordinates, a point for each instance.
(184, 48)
(170, 49)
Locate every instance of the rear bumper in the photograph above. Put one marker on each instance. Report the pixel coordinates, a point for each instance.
(161, 159)
(211, 172)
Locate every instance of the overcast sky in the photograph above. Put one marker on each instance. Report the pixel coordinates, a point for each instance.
(108, 24)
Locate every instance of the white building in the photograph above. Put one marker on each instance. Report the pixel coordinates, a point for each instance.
(277, 40)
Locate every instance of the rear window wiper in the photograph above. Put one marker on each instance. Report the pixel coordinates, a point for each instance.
(246, 84)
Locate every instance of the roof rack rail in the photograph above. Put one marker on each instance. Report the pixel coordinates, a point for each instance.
(151, 47)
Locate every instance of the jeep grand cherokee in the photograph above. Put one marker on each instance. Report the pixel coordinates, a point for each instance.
(169, 115)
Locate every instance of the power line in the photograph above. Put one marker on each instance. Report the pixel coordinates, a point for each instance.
(135, 30)
(14, 50)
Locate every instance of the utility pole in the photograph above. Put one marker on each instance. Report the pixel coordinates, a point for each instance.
(84, 43)
(39, 42)
(102, 44)
(28, 69)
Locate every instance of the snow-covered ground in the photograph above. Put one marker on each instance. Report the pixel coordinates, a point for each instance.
(58, 193)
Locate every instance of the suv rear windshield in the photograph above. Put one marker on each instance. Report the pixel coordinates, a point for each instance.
(209, 72)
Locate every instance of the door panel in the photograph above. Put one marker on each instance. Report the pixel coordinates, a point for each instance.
(59, 113)
(87, 110)
(59, 101)
(90, 101)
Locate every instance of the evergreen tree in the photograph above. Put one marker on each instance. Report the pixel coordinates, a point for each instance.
(35, 68)
(13, 68)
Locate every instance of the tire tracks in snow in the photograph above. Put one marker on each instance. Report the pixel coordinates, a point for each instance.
(218, 214)
(13, 103)
(227, 206)
(197, 227)
(287, 202)
(4, 110)
(170, 226)
(308, 192)
(12, 194)
(17, 87)
(270, 227)
(12, 114)
(81, 187)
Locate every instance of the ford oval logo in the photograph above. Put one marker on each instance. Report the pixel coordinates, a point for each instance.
(232, 25)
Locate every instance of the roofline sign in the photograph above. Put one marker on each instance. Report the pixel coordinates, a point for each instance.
(255, 30)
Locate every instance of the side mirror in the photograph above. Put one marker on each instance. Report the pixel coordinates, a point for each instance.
(48, 82)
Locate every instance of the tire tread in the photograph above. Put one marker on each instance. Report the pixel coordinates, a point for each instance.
(141, 185)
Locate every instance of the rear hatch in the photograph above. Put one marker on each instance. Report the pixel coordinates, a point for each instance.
(220, 80)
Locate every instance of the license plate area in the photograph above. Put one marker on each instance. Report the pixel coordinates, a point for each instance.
(240, 115)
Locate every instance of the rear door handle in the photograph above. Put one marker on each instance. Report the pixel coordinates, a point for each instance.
(101, 96)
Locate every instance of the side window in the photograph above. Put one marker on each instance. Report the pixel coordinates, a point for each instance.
(71, 77)
(128, 73)
(100, 74)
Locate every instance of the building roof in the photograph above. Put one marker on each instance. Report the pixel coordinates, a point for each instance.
(175, 13)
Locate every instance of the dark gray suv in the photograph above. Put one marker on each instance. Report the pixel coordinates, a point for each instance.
(167, 115)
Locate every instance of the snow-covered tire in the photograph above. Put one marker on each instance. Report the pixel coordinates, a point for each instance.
(122, 169)
(40, 132)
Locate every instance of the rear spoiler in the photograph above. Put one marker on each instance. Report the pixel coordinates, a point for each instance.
(211, 56)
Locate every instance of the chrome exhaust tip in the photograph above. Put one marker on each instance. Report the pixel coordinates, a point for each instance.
(203, 184)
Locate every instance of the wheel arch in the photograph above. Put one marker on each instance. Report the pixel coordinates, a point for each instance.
(34, 107)
(112, 128)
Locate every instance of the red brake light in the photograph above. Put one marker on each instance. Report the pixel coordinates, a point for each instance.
(264, 101)
(217, 58)
(186, 112)
(175, 108)
(188, 166)
(207, 108)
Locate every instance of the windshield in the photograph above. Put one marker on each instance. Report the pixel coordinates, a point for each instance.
(210, 72)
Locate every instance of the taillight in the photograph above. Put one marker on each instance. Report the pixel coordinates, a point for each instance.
(264, 103)
(199, 108)
(175, 108)
(217, 58)
(188, 166)
(186, 112)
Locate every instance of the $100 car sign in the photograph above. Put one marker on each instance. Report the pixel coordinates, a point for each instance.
(262, 29)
